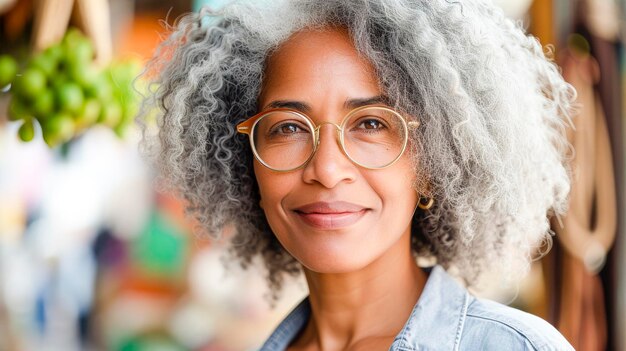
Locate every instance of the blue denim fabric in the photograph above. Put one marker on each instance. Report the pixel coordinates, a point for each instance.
(447, 317)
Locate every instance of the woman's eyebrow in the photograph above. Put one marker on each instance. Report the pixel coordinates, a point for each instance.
(348, 104)
(296, 105)
(354, 103)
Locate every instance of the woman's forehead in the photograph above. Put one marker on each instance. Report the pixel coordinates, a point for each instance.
(318, 61)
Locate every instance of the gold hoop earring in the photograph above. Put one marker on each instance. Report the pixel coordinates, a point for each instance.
(425, 205)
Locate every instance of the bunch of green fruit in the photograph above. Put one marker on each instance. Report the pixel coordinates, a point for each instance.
(64, 91)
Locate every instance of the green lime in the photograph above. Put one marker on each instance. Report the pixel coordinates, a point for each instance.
(89, 113)
(72, 35)
(85, 75)
(111, 114)
(77, 49)
(79, 53)
(70, 97)
(58, 128)
(43, 105)
(27, 130)
(30, 83)
(8, 70)
(46, 63)
(54, 52)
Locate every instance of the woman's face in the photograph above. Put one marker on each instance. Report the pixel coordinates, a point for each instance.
(331, 215)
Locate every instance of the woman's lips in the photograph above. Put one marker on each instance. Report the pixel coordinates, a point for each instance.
(330, 215)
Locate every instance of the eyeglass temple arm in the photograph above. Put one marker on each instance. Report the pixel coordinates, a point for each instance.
(245, 127)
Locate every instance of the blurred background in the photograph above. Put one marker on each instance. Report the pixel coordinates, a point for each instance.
(92, 257)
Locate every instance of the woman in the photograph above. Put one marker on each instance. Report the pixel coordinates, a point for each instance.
(346, 138)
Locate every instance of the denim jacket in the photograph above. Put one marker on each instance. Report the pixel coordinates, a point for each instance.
(447, 317)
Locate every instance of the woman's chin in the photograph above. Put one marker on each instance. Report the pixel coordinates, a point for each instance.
(329, 263)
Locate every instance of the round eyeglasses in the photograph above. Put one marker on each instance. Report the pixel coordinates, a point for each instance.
(283, 140)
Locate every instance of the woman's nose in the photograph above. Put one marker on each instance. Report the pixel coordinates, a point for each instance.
(329, 166)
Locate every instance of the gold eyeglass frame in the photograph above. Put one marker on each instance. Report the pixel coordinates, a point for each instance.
(248, 125)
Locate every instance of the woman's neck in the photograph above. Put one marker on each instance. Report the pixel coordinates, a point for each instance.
(368, 305)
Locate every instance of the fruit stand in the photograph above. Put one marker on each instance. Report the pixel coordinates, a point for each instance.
(67, 83)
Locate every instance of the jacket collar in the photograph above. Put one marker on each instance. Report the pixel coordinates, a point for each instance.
(435, 323)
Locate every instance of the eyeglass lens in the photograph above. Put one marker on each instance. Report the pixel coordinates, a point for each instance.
(372, 137)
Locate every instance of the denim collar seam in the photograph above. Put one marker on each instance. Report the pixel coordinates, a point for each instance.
(459, 331)
(518, 330)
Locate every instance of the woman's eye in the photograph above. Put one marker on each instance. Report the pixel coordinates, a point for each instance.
(288, 128)
(370, 124)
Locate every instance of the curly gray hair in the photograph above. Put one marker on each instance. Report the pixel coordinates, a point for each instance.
(491, 148)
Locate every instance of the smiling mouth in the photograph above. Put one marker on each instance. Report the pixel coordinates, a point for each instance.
(333, 215)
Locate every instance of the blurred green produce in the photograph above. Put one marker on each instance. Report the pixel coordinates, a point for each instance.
(63, 91)
(27, 130)
(8, 70)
